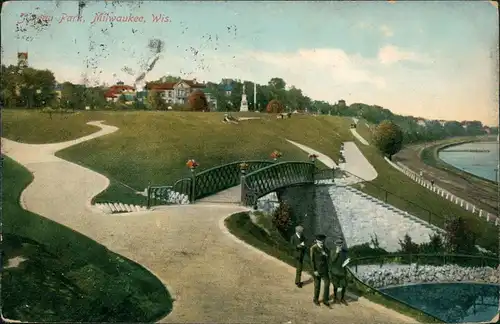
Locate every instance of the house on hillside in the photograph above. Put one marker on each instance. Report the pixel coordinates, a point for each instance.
(114, 92)
(421, 122)
(464, 124)
(442, 122)
(227, 86)
(178, 92)
(58, 90)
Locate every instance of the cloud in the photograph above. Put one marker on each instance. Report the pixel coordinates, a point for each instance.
(390, 54)
(386, 31)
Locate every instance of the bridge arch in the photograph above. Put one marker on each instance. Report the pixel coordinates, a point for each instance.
(270, 178)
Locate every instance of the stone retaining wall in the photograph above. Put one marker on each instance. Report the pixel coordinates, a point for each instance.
(399, 274)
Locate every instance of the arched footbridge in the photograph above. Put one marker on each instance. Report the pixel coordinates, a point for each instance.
(250, 179)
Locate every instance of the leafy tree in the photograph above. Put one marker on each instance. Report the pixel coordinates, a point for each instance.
(453, 128)
(9, 83)
(275, 107)
(475, 128)
(459, 238)
(197, 101)
(165, 79)
(408, 246)
(154, 100)
(277, 83)
(388, 138)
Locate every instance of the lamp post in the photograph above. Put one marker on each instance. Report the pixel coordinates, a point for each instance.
(276, 155)
(192, 165)
(243, 170)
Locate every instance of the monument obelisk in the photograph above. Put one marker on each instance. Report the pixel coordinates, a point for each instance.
(244, 102)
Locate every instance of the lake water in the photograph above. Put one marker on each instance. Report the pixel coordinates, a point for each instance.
(451, 302)
(480, 164)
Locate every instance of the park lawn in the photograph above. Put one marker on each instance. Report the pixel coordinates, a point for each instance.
(267, 239)
(365, 131)
(66, 276)
(151, 148)
(402, 192)
(35, 127)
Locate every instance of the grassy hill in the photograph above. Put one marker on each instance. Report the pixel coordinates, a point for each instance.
(152, 148)
(67, 276)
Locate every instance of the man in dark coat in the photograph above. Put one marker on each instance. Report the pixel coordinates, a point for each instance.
(338, 270)
(319, 261)
(298, 242)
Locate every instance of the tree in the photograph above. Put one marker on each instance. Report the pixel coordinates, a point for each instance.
(408, 246)
(388, 138)
(459, 238)
(274, 107)
(434, 246)
(197, 101)
(277, 83)
(154, 100)
(36, 87)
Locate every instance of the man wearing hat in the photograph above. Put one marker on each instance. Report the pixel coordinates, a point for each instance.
(319, 261)
(298, 242)
(338, 270)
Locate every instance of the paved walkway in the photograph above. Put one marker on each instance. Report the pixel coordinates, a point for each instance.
(359, 137)
(213, 276)
(356, 162)
(356, 134)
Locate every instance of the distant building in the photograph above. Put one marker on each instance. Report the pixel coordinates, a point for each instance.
(58, 90)
(227, 86)
(178, 92)
(341, 103)
(442, 122)
(114, 92)
(421, 122)
(22, 59)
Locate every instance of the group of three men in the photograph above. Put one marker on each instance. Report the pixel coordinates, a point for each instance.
(329, 266)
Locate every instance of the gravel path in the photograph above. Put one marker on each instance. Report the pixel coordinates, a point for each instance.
(213, 276)
(359, 137)
(356, 162)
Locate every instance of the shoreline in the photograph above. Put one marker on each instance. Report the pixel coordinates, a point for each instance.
(438, 148)
(423, 157)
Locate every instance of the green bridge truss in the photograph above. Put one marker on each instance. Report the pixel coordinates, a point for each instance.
(259, 178)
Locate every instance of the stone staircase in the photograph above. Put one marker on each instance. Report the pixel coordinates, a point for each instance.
(363, 217)
(115, 208)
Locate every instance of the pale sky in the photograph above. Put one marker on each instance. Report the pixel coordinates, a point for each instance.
(437, 60)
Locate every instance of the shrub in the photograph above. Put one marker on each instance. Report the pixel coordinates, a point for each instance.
(459, 238)
(365, 250)
(275, 107)
(282, 219)
(435, 245)
(408, 246)
(197, 101)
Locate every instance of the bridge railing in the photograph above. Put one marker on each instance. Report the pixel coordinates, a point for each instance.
(265, 180)
(223, 177)
(179, 193)
(324, 174)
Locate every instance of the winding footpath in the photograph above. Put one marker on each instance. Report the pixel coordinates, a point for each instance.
(213, 276)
